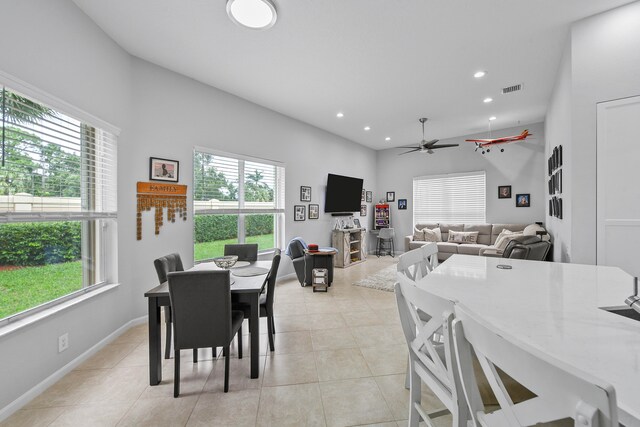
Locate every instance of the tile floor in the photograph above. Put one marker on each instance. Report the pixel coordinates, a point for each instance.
(340, 360)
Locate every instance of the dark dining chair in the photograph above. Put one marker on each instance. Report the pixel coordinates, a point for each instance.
(165, 265)
(202, 316)
(266, 298)
(245, 251)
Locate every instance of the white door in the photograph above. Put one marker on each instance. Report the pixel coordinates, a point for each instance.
(618, 176)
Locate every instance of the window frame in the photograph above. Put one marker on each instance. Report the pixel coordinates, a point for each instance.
(279, 195)
(106, 221)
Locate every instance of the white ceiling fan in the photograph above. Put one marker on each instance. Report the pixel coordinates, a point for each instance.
(427, 146)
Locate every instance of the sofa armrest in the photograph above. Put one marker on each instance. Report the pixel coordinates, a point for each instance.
(407, 240)
(490, 251)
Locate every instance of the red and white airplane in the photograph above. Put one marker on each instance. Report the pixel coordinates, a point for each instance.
(487, 143)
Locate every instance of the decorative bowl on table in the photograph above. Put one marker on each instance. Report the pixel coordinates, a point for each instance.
(225, 262)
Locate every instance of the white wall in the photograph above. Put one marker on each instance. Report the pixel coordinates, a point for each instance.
(558, 132)
(605, 65)
(56, 48)
(161, 114)
(521, 165)
(173, 114)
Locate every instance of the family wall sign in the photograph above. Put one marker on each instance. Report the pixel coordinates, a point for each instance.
(160, 196)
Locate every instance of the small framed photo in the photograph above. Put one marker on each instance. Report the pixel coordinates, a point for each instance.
(523, 200)
(369, 197)
(305, 194)
(163, 169)
(391, 196)
(363, 195)
(299, 212)
(504, 192)
(363, 210)
(402, 204)
(314, 211)
(356, 222)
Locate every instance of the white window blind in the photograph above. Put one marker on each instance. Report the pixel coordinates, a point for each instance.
(53, 166)
(452, 198)
(227, 185)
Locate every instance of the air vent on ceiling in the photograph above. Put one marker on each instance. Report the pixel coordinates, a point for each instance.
(509, 89)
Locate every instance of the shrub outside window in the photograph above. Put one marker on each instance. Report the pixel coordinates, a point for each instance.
(57, 205)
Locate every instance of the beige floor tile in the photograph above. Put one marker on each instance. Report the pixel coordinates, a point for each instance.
(331, 339)
(193, 377)
(69, 390)
(120, 385)
(109, 356)
(284, 369)
(375, 336)
(291, 405)
(365, 317)
(397, 397)
(136, 335)
(138, 357)
(235, 408)
(349, 305)
(32, 417)
(290, 342)
(387, 359)
(92, 415)
(354, 402)
(239, 375)
(162, 411)
(325, 321)
(323, 306)
(281, 308)
(341, 364)
(291, 323)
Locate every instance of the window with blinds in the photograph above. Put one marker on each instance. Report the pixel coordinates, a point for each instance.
(451, 198)
(58, 205)
(236, 200)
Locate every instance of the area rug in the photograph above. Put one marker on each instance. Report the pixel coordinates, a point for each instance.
(383, 279)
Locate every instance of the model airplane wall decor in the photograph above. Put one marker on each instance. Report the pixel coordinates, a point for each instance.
(487, 143)
(426, 146)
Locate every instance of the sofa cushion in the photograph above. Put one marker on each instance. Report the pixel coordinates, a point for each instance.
(445, 228)
(415, 245)
(496, 229)
(432, 235)
(505, 237)
(463, 236)
(470, 248)
(446, 247)
(484, 232)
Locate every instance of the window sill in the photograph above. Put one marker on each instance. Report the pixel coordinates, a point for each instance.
(17, 325)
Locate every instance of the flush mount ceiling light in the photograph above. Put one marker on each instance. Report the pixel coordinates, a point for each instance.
(340, 115)
(487, 100)
(480, 74)
(367, 128)
(254, 14)
(492, 118)
(387, 138)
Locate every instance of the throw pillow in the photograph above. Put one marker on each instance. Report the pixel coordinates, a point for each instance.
(418, 235)
(463, 236)
(532, 229)
(432, 235)
(504, 238)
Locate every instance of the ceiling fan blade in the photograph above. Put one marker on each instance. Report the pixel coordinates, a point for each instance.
(430, 143)
(444, 146)
(412, 146)
(410, 151)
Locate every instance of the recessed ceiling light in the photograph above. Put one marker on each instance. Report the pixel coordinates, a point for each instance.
(367, 128)
(487, 100)
(254, 14)
(387, 138)
(339, 115)
(492, 118)
(480, 74)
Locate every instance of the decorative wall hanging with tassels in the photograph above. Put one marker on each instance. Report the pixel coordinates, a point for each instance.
(160, 196)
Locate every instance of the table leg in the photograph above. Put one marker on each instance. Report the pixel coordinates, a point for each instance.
(155, 362)
(254, 333)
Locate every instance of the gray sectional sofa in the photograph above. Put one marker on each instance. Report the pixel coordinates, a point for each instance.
(487, 235)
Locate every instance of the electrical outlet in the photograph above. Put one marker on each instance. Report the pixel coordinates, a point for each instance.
(63, 342)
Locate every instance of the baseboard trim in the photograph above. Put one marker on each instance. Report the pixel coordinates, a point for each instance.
(27, 397)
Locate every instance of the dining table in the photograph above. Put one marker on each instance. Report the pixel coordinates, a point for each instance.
(557, 308)
(247, 279)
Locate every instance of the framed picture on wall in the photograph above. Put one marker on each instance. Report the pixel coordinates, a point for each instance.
(402, 204)
(299, 212)
(363, 195)
(163, 169)
(363, 210)
(305, 194)
(314, 211)
(391, 196)
(369, 197)
(523, 200)
(504, 192)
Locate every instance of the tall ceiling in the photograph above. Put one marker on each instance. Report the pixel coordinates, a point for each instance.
(383, 63)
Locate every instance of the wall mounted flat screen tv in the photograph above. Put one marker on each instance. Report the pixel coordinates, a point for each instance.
(343, 195)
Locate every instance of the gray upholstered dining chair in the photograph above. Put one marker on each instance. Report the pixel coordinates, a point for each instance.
(245, 251)
(267, 296)
(165, 265)
(202, 316)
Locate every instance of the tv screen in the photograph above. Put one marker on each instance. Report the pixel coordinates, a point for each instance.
(344, 194)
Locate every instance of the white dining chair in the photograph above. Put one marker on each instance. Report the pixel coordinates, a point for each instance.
(419, 262)
(429, 362)
(562, 391)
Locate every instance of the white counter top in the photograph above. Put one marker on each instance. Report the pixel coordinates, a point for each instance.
(555, 308)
